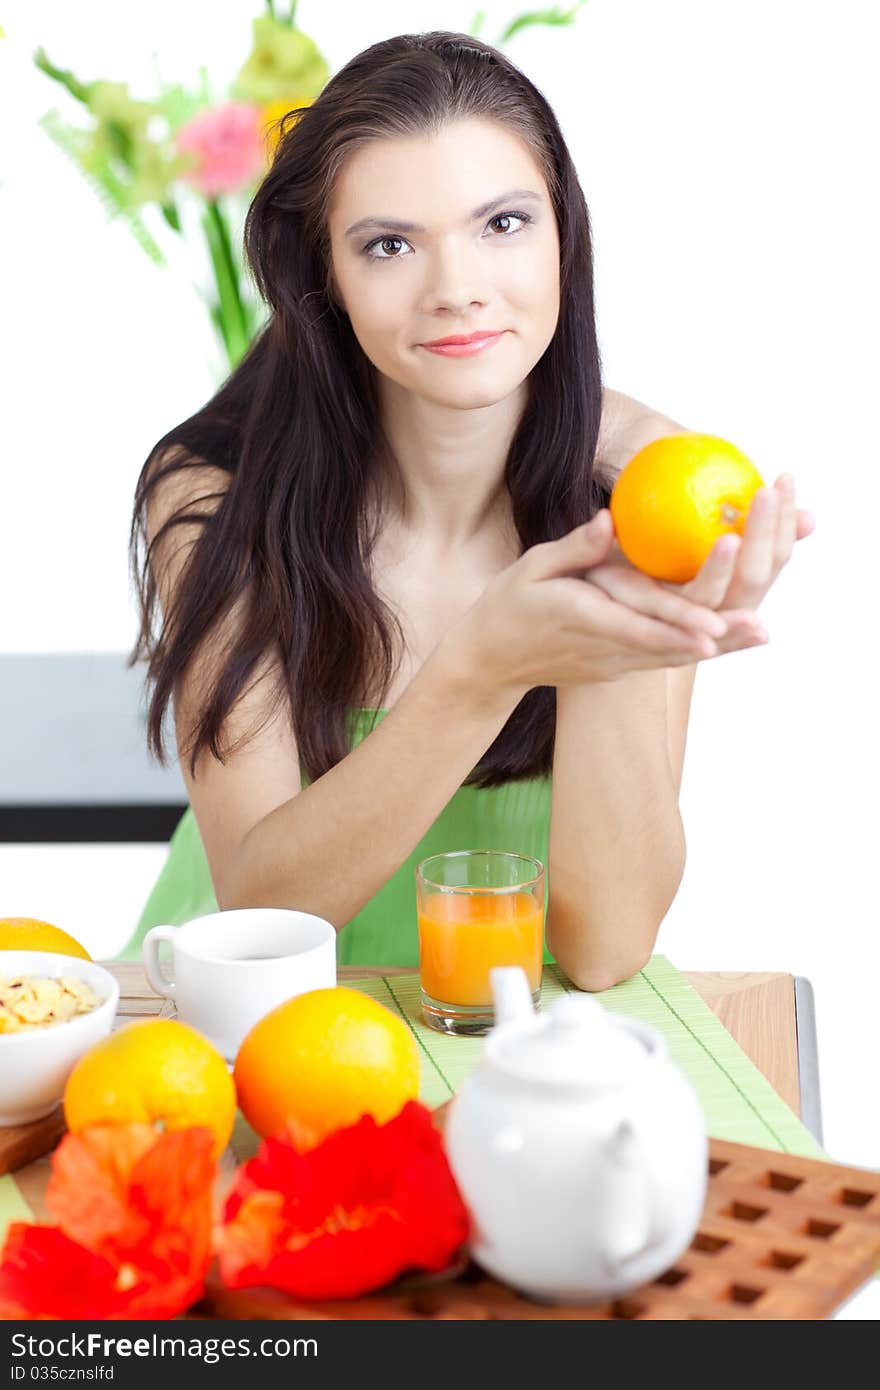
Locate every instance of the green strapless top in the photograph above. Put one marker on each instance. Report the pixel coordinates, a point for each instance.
(514, 817)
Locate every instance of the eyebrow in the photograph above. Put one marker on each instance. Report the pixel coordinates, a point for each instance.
(389, 224)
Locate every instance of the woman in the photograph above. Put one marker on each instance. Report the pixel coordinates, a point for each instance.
(394, 619)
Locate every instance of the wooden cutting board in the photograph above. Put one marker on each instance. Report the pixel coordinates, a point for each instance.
(781, 1237)
(20, 1144)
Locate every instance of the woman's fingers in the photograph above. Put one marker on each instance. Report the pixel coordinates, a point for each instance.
(677, 620)
(682, 607)
(806, 524)
(604, 615)
(786, 531)
(710, 586)
(754, 571)
(637, 641)
(773, 526)
(638, 591)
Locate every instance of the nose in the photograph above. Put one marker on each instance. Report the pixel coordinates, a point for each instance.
(455, 278)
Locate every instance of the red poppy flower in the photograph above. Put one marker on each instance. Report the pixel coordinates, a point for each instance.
(45, 1274)
(133, 1236)
(346, 1216)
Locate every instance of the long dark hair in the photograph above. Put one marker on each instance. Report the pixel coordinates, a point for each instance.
(296, 427)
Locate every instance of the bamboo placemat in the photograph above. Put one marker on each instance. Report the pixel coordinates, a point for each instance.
(738, 1101)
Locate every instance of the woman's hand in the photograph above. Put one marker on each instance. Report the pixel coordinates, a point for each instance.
(741, 570)
(735, 577)
(538, 623)
(617, 577)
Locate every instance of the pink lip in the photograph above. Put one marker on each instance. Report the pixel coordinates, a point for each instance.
(463, 347)
(462, 338)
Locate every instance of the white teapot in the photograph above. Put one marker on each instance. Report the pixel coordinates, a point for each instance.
(579, 1148)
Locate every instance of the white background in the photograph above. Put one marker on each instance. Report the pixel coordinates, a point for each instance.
(726, 154)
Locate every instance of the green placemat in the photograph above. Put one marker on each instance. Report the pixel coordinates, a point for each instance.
(13, 1207)
(737, 1099)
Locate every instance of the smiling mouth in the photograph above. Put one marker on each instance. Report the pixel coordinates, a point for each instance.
(471, 347)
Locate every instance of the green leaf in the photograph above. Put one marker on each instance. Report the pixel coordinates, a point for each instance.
(178, 105)
(232, 318)
(109, 188)
(171, 215)
(80, 90)
(554, 15)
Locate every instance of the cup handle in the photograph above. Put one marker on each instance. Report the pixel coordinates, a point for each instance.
(150, 952)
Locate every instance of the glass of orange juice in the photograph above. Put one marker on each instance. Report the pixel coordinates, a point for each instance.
(477, 908)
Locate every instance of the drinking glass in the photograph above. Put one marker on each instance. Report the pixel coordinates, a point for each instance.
(477, 908)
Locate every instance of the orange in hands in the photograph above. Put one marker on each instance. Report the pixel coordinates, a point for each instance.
(674, 499)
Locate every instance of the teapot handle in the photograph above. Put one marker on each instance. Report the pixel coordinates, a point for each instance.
(635, 1223)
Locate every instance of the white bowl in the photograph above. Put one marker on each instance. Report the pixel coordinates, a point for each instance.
(35, 1064)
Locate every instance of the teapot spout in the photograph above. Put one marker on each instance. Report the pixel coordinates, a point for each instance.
(510, 993)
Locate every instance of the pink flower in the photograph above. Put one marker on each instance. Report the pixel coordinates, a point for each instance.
(228, 144)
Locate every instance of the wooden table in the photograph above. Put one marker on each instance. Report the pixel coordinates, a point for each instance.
(759, 1010)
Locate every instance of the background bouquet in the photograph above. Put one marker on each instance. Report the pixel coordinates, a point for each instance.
(187, 161)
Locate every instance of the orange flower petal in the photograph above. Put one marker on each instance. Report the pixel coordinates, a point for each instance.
(250, 1241)
(88, 1191)
(143, 1201)
(172, 1186)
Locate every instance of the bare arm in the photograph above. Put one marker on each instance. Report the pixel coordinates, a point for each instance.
(617, 844)
(617, 847)
(627, 426)
(333, 846)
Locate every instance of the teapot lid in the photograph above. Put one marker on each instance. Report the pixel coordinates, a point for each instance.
(577, 1042)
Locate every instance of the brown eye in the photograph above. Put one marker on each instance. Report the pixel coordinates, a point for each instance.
(383, 243)
(506, 216)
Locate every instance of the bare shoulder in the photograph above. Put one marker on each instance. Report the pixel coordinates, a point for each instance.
(181, 491)
(626, 426)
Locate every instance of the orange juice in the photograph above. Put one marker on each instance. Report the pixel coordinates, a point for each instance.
(463, 935)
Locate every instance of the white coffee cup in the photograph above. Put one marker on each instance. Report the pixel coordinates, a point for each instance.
(231, 968)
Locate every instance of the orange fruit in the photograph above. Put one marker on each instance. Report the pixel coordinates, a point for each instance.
(156, 1071)
(321, 1060)
(30, 934)
(674, 499)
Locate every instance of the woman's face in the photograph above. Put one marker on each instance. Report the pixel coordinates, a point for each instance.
(459, 267)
